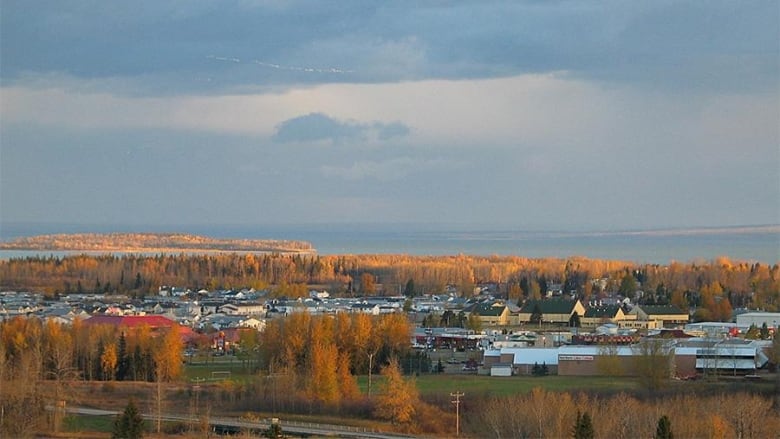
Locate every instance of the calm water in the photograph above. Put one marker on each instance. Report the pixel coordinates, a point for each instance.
(659, 247)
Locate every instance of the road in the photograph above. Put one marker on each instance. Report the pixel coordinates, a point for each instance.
(239, 424)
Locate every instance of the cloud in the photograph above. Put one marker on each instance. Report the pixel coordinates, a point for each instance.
(389, 170)
(171, 47)
(315, 127)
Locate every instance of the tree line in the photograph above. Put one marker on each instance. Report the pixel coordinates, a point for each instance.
(547, 414)
(38, 359)
(710, 288)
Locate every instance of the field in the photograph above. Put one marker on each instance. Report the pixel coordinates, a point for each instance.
(430, 384)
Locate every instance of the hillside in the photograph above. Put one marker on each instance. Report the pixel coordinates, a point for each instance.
(152, 242)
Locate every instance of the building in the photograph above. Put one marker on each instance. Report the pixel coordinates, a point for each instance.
(667, 314)
(771, 319)
(243, 309)
(495, 314)
(595, 316)
(707, 356)
(523, 360)
(555, 311)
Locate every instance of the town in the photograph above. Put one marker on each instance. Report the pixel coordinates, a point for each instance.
(494, 336)
(382, 342)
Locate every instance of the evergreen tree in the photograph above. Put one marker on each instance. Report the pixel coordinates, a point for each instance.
(123, 362)
(274, 431)
(130, 424)
(526, 290)
(664, 428)
(536, 314)
(542, 281)
(409, 290)
(583, 427)
(628, 285)
(574, 321)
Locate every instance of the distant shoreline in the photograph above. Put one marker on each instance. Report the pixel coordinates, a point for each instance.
(152, 243)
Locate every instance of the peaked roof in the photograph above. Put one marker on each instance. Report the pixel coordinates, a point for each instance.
(661, 309)
(487, 309)
(602, 311)
(551, 306)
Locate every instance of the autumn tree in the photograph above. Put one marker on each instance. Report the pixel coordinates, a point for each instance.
(167, 360)
(608, 363)
(108, 362)
(367, 284)
(397, 397)
(652, 362)
(474, 323)
(323, 377)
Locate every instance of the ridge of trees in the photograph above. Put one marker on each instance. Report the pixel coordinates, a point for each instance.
(712, 288)
(149, 242)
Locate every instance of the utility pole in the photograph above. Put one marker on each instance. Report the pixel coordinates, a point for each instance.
(370, 365)
(456, 401)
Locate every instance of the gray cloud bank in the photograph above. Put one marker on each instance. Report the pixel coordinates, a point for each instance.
(169, 47)
(536, 114)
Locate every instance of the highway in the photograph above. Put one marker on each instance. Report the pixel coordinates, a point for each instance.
(238, 424)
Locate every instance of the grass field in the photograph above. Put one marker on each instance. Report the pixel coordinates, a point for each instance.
(444, 384)
(90, 423)
(216, 370)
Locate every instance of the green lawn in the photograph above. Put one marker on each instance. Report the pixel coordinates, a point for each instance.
(238, 371)
(82, 423)
(432, 384)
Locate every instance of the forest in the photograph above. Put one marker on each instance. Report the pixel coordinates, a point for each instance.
(711, 289)
(314, 361)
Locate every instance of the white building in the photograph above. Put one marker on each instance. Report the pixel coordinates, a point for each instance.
(772, 319)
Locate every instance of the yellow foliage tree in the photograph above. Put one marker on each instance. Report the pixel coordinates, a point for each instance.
(323, 382)
(108, 362)
(398, 397)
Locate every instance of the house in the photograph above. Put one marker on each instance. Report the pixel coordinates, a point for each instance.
(253, 323)
(558, 311)
(667, 314)
(243, 309)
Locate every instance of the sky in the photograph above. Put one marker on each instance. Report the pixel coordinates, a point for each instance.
(529, 115)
